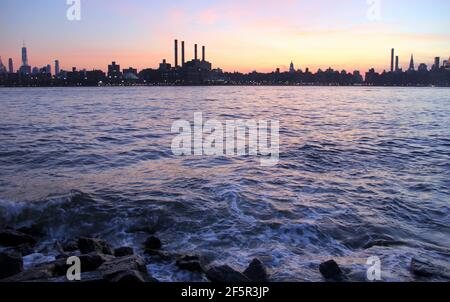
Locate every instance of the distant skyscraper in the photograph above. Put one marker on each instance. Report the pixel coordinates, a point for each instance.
(396, 63)
(10, 65)
(176, 53)
(411, 63)
(56, 67)
(25, 68)
(24, 56)
(291, 68)
(182, 53)
(49, 68)
(437, 63)
(392, 59)
(114, 71)
(2, 67)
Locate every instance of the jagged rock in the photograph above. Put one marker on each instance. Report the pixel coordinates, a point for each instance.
(225, 274)
(12, 238)
(70, 246)
(10, 264)
(114, 268)
(123, 251)
(92, 261)
(33, 230)
(165, 256)
(425, 269)
(331, 270)
(153, 243)
(256, 271)
(24, 249)
(132, 276)
(41, 272)
(190, 263)
(89, 245)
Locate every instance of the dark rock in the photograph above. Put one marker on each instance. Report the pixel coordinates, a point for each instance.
(89, 262)
(24, 249)
(89, 245)
(190, 263)
(10, 264)
(123, 251)
(165, 256)
(40, 272)
(152, 243)
(70, 246)
(58, 247)
(256, 271)
(119, 266)
(331, 270)
(225, 274)
(128, 277)
(427, 269)
(11, 238)
(34, 230)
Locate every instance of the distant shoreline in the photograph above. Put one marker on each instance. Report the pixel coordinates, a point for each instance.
(223, 85)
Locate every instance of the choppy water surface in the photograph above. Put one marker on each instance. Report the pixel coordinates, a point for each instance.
(362, 172)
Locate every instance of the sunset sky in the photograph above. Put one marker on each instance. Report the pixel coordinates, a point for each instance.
(239, 35)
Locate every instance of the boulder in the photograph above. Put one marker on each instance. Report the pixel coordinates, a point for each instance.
(13, 238)
(123, 251)
(10, 264)
(153, 243)
(70, 246)
(162, 255)
(131, 276)
(89, 245)
(256, 271)
(34, 230)
(113, 269)
(41, 272)
(190, 263)
(24, 249)
(225, 274)
(331, 270)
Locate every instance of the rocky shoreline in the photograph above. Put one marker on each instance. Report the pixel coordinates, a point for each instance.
(100, 262)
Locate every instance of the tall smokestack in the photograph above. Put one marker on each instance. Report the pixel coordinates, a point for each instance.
(203, 53)
(195, 51)
(396, 63)
(176, 53)
(182, 53)
(392, 59)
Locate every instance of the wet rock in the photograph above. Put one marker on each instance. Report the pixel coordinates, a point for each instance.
(12, 238)
(427, 269)
(153, 243)
(92, 261)
(24, 249)
(123, 251)
(89, 245)
(70, 246)
(190, 263)
(10, 264)
(132, 276)
(256, 271)
(331, 270)
(34, 230)
(116, 268)
(41, 272)
(89, 262)
(225, 274)
(162, 255)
